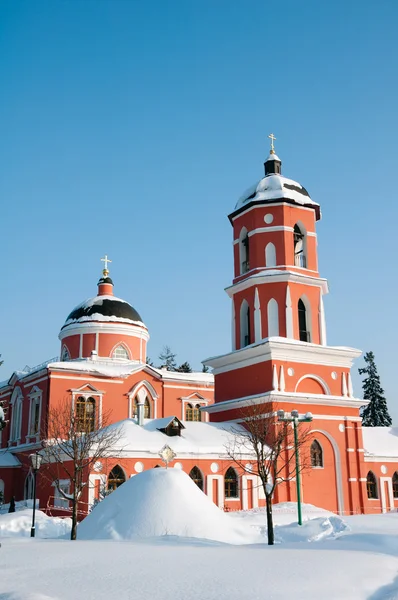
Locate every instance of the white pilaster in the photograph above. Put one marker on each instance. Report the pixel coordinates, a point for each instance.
(350, 388)
(233, 326)
(257, 318)
(322, 321)
(275, 379)
(282, 385)
(289, 314)
(343, 385)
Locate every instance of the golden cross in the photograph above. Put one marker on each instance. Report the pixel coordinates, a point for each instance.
(272, 138)
(106, 260)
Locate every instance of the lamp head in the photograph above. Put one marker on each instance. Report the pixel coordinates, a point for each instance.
(308, 416)
(280, 414)
(35, 461)
(295, 413)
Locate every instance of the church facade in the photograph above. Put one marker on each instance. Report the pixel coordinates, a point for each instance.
(280, 361)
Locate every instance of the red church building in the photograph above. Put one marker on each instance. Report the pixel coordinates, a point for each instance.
(279, 359)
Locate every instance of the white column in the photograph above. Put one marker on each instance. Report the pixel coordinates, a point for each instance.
(282, 385)
(343, 385)
(322, 322)
(257, 318)
(233, 326)
(274, 379)
(350, 388)
(289, 315)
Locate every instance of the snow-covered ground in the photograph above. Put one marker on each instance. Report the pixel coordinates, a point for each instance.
(152, 544)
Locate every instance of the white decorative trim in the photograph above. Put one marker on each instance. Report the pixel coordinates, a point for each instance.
(277, 276)
(352, 479)
(350, 449)
(289, 315)
(233, 326)
(343, 385)
(123, 345)
(350, 388)
(142, 389)
(273, 318)
(270, 229)
(321, 382)
(245, 490)
(257, 317)
(107, 327)
(268, 204)
(282, 385)
(387, 480)
(220, 488)
(275, 379)
(322, 321)
(80, 345)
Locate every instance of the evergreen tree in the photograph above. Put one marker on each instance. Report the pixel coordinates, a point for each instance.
(149, 362)
(184, 368)
(205, 369)
(168, 359)
(375, 414)
(11, 508)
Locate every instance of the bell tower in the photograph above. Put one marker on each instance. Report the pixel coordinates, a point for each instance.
(276, 290)
(280, 358)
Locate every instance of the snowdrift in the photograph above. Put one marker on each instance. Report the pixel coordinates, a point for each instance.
(18, 524)
(161, 502)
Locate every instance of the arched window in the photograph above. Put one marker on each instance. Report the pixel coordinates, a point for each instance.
(65, 354)
(147, 408)
(192, 413)
(273, 318)
(196, 475)
(120, 352)
(395, 485)
(371, 485)
(270, 255)
(304, 333)
(244, 251)
(300, 259)
(28, 488)
(85, 414)
(16, 415)
(244, 324)
(231, 484)
(316, 454)
(116, 477)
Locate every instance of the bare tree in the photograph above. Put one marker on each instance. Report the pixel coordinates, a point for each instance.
(271, 443)
(72, 445)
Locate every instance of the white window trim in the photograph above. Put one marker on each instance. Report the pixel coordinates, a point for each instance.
(98, 402)
(16, 416)
(34, 397)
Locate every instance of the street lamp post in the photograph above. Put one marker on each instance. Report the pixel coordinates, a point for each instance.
(35, 460)
(295, 418)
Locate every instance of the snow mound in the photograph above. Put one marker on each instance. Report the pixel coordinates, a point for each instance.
(161, 502)
(313, 530)
(18, 524)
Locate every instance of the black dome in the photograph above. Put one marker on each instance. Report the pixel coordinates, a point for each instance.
(103, 308)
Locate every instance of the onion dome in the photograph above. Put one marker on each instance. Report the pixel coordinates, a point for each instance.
(275, 188)
(100, 325)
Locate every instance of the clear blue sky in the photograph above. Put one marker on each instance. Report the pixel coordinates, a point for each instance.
(130, 128)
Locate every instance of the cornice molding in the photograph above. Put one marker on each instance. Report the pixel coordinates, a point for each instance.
(266, 277)
(286, 350)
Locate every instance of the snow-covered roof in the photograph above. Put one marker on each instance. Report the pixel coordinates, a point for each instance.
(276, 187)
(108, 368)
(196, 438)
(7, 459)
(380, 441)
(195, 377)
(114, 368)
(104, 308)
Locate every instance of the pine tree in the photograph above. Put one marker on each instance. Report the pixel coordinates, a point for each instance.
(168, 358)
(149, 362)
(205, 369)
(375, 414)
(184, 368)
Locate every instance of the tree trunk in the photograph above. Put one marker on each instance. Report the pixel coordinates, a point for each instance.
(270, 523)
(73, 533)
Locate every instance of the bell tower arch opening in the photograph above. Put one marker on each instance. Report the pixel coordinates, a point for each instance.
(304, 319)
(244, 324)
(300, 246)
(244, 262)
